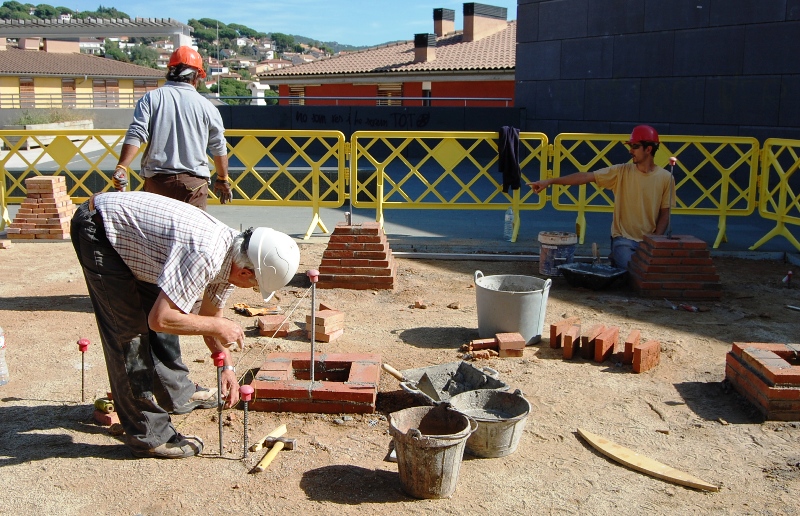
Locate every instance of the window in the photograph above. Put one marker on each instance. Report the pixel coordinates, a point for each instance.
(388, 91)
(27, 94)
(68, 94)
(142, 86)
(300, 93)
(105, 92)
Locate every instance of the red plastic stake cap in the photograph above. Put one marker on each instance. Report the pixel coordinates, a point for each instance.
(313, 275)
(83, 345)
(218, 358)
(673, 160)
(246, 392)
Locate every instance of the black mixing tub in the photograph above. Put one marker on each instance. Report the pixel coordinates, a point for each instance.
(595, 276)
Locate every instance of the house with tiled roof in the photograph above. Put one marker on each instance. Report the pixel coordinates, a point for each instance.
(55, 74)
(443, 68)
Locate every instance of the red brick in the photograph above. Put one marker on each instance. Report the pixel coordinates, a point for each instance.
(738, 347)
(646, 356)
(338, 391)
(630, 343)
(511, 353)
(571, 340)
(106, 419)
(327, 329)
(364, 372)
(480, 344)
(507, 341)
(273, 325)
(588, 341)
(604, 344)
(326, 337)
(557, 329)
(326, 318)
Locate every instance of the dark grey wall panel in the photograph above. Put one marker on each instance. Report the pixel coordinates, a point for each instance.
(772, 48)
(676, 14)
(610, 17)
(589, 58)
(743, 100)
(704, 130)
(612, 100)
(643, 55)
(793, 10)
(538, 61)
(790, 101)
(563, 99)
(745, 12)
(562, 19)
(530, 31)
(667, 99)
(716, 51)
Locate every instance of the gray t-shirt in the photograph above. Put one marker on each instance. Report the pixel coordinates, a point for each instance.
(179, 125)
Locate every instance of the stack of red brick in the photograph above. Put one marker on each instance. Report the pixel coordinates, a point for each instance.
(504, 345)
(768, 375)
(602, 343)
(358, 257)
(45, 213)
(676, 267)
(328, 325)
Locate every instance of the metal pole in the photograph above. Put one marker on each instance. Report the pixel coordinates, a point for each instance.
(246, 393)
(672, 161)
(83, 345)
(313, 275)
(219, 361)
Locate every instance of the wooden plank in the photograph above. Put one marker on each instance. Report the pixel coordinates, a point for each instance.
(644, 464)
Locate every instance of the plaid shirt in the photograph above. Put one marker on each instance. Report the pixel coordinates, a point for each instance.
(174, 245)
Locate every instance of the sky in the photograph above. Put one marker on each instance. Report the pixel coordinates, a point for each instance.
(350, 22)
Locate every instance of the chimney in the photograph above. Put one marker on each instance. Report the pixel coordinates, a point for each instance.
(481, 20)
(61, 47)
(29, 43)
(444, 21)
(424, 48)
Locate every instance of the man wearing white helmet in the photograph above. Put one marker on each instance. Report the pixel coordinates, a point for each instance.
(146, 259)
(642, 194)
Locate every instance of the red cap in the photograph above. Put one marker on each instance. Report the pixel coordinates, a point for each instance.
(246, 392)
(313, 275)
(219, 358)
(189, 57)
(83, 345)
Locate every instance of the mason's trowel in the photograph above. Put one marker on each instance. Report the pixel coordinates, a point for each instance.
(425, 385)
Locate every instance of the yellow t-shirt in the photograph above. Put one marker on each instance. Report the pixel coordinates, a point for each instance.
(638, 197)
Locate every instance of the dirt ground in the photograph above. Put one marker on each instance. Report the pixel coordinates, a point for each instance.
(55, 460)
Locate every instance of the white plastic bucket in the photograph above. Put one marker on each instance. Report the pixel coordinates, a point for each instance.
(555, 248)
(511, 303)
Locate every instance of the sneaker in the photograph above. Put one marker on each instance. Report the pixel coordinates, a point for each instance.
(178, 447)
(202, 398)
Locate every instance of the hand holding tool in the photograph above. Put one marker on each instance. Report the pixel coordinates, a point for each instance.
(219, 361)
(120, 178)
(83, 345)
(246, 394)
(222, 187)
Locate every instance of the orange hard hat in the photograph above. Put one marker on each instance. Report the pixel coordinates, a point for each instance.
(189, 57)
(643, 133)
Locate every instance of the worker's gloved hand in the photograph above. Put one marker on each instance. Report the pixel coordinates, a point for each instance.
(222, 188)
(120, 178)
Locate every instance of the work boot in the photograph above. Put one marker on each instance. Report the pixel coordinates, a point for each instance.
(203, 398)
(178, 447)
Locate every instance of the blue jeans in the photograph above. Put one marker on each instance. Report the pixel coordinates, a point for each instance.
(622, 250)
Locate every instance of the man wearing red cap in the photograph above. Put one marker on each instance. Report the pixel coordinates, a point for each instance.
(642, 194)
(179, 127)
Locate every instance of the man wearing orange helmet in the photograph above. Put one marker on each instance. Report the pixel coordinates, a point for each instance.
(642, 194)
(179, 127)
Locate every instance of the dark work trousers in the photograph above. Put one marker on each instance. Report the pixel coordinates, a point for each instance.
(181, 187)
(141, 364)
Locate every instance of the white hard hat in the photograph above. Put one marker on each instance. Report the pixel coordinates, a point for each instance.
(275, 258)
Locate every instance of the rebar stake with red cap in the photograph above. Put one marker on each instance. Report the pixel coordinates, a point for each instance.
(83, 345)
(246, 393)
(672, 161)
(219, 361)
(313, 275)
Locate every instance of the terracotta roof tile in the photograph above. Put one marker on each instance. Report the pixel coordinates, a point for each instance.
(495, 52)
(15, 61)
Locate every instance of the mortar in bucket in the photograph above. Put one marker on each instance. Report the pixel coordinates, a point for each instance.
(429, 442)
(501, 418)
(511, 303)
(555, 248)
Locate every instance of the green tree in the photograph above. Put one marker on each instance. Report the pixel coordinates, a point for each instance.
(144, 56)
(271, 97)
(232, 88)
(113, 51)
(283, 42)
(46, 12)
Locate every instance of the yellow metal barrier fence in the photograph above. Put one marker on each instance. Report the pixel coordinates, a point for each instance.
(780, 188)
(440, 170)
(279, 168)
(713, 176)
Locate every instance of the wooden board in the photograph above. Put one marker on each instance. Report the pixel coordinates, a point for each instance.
(644, 464)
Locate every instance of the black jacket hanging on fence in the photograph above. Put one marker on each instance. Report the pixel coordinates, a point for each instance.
(509, 158)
